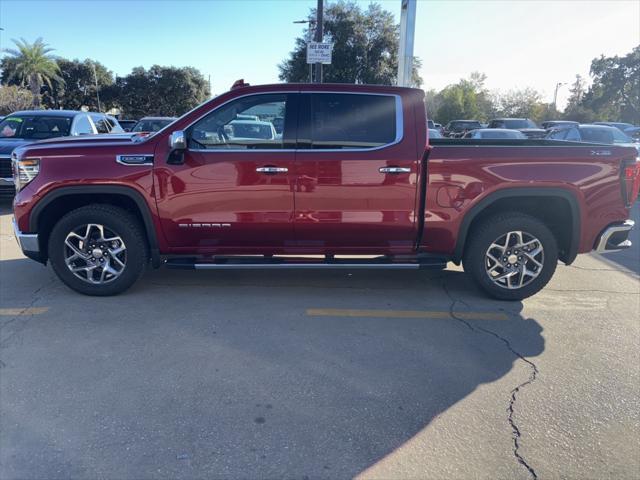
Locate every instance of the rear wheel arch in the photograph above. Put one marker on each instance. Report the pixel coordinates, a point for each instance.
(60, 201)
(558, 203)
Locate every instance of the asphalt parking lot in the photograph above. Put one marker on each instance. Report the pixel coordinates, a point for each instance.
(319, 375)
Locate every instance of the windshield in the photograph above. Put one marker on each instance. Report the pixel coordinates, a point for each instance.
(619, 137)
(151, 125)
(34, 127)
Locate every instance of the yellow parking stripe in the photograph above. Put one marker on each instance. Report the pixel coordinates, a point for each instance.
(23, 311)
(339, 312)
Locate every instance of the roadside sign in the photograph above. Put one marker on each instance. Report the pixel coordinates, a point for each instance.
(318, 52)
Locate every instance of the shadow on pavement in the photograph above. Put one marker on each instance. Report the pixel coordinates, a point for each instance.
(201, 374)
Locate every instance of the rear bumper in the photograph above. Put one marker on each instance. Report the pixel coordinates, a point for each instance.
(615, 237)
(29, 243)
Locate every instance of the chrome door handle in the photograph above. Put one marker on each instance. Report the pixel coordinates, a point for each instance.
(394, 170)
(269, 170)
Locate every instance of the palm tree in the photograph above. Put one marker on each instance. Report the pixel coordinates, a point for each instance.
(34, 65)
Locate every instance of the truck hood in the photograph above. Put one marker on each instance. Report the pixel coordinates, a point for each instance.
(88, 140)
(8, 144)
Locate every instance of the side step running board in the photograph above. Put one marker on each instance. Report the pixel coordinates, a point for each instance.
(298, 263)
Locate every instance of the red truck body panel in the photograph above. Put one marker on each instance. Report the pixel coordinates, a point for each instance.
(329, 201)
(459, 177)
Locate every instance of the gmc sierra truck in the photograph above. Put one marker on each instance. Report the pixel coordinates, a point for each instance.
(349, 180)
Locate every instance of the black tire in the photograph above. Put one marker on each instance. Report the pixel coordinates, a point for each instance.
(484, 235)
(116, 220)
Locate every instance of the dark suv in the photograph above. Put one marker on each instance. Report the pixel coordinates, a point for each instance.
(457, 128)
(24, 127)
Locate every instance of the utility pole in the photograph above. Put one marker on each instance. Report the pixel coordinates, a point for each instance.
(319, 35)
(407, 34)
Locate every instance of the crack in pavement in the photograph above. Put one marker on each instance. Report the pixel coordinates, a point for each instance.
(532, 377)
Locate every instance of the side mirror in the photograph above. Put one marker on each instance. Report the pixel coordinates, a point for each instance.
(178, 140)
(177, 147)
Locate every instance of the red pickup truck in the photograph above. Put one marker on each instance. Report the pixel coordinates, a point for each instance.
(318, 176)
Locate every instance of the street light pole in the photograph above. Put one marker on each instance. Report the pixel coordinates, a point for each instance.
(319, 35)
(555, 96)
(95, 78)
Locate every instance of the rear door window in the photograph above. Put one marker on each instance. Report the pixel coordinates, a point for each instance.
(350, 121)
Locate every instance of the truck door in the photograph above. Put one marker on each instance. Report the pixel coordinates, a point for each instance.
(235, 187)
(357, 168)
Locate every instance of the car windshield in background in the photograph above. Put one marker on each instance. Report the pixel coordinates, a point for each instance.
(608, 135)
(151, 125)
(35, 127)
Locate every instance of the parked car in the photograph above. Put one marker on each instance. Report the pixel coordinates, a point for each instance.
(495, 133)
(431, 125)
(457, 128)
(549, 124)
(434, 133)
(619, 125)
(152, 124)
(524, 125)
(29, 126)
(344, 178)
(634, 133)
(438, 126)
(127, 125)
(593, 134)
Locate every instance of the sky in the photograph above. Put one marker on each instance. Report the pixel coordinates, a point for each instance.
(517, 44)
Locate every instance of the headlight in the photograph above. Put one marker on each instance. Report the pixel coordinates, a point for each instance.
(24, 170)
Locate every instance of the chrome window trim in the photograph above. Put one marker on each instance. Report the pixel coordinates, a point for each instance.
(119, 159)
(399, 125)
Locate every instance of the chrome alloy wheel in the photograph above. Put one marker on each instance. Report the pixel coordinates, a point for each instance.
(95, 253)
(514, 260)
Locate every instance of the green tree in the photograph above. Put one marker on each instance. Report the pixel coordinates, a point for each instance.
(166, 91)
(14, 98)
(525, 103)
(576, 110)
(365, 47)
(457, 102)
(615, 92)
(78, 87)
(33, 65)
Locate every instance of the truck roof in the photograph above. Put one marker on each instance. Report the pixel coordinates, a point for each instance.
(339, 87)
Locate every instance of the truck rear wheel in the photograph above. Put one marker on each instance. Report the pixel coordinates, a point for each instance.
(511, 256)
(98, 250)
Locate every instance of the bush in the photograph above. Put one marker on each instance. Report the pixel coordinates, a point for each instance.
(13, 98)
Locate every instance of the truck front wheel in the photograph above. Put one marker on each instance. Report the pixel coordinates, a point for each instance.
(511, 256)
(98, 250)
